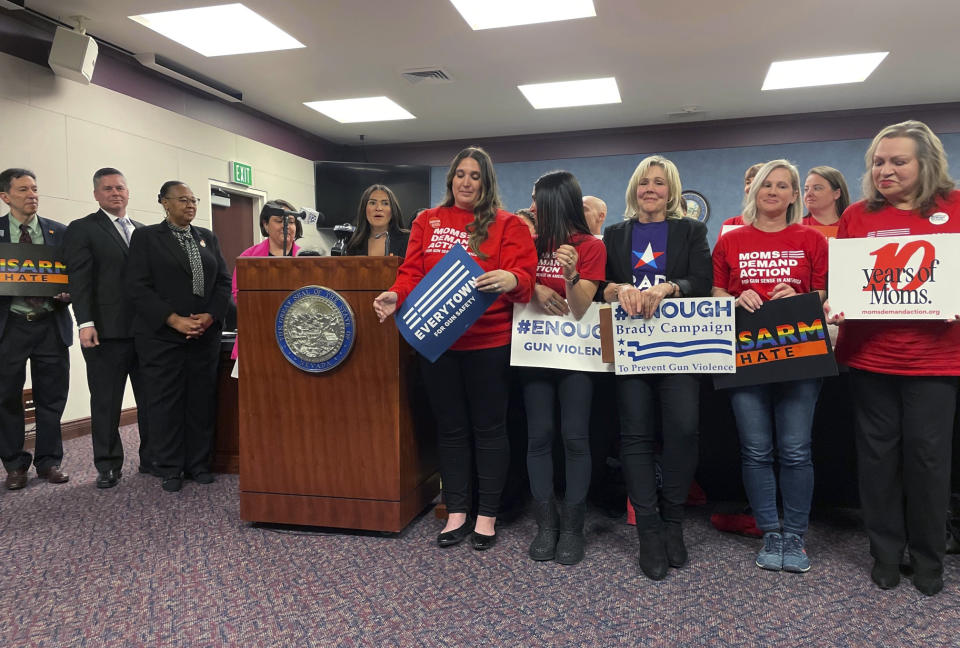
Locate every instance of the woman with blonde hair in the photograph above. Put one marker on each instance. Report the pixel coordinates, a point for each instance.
(782, 411)
(653, 255)
(903, 373)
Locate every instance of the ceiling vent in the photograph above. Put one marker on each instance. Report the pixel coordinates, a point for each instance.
(183, 74)
(426, 75)
(688, 113)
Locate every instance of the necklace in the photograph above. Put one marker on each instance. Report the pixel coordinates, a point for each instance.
(378, 236)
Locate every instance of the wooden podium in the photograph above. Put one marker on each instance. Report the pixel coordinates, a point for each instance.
(344, 448)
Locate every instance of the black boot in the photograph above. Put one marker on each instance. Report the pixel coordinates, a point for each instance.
(652, 556)
(544, 546)
(570, 546)
(676, 550)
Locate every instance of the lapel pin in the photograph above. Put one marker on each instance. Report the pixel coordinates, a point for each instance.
(203, 243)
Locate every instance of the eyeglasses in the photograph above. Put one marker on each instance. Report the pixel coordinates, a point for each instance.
(183, 200)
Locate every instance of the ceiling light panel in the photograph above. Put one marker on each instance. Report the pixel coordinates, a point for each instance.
(828, 70)
(219, 31)
(490, 14)
(366, 109)
(563, 94)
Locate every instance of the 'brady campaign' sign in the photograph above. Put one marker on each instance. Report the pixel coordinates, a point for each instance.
(785, 339)
(32, 270)
(688, 335)
(556, 341)
(443, 305)
(896, 277)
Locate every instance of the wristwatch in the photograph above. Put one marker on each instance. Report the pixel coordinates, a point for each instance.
(573, 280)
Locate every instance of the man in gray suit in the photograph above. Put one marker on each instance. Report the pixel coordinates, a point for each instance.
(96, 250)
(37, 329)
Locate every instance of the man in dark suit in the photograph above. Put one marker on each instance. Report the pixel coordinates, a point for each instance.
(179, 285)
(96, 249)
(38, 329)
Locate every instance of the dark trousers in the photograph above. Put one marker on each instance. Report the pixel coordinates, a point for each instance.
(542, 389)
(679, 399)
(50, 375)
(181, 391)
(468, 392)
(108, 366)
(904, 430)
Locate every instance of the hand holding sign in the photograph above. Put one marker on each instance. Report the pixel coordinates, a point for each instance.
(497, 281)
(832, 318)
(629, 298)
(750, 300)
(651, 297)
(549, 300)
(782, 290)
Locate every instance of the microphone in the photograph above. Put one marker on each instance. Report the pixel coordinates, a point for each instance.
(343, 232)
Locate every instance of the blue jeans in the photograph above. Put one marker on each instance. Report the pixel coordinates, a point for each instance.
(785, 408)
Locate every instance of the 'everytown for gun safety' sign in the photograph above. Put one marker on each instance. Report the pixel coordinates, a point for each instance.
(443, 305)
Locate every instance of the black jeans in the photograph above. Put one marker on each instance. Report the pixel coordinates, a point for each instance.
(904, 430)
(542, 388)
(679, 397)
(468, 392)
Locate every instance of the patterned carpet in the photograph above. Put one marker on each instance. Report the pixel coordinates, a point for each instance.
(136, 567)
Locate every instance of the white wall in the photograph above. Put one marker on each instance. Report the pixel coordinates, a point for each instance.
(64, 131)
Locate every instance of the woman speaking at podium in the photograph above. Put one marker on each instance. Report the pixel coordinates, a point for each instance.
(468, 384)
(378, 226)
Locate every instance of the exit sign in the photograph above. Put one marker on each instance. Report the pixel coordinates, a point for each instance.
(241, 173)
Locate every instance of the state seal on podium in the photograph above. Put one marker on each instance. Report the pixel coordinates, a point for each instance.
(315, 329)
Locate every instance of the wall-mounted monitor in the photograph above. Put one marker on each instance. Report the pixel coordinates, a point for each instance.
(340, 184)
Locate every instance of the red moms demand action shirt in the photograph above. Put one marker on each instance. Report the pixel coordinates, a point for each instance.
(905, 347)
(748, 258)
(591, 263)
(509, 246)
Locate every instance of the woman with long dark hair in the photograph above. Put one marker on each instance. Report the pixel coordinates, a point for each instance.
(571, 267)
(379, 225)
(468, 384)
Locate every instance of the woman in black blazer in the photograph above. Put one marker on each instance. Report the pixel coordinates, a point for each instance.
(653, 255)
(179, 286)
(379, 230)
